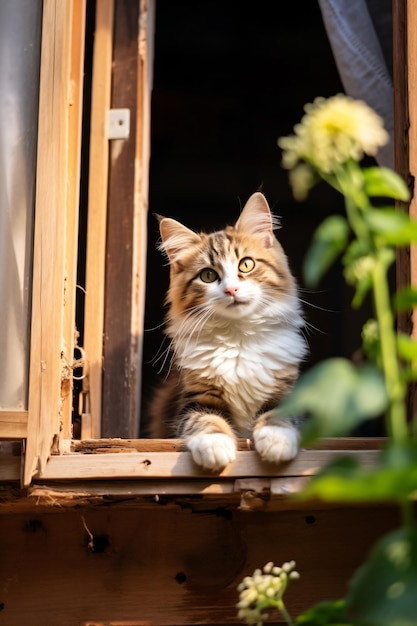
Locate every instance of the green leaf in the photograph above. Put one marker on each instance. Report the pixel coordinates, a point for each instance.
(345, 480)
(342, 480)
(405, 299)
(337, 397)
(329, 240)
(357, 249)
(407, 347)
(408, 375)
(383, 182)
(383, 591)
(393, 227)
(324, 614)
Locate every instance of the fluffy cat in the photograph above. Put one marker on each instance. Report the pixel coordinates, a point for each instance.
(235, 329)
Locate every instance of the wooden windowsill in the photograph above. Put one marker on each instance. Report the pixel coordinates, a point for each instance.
(160, 471)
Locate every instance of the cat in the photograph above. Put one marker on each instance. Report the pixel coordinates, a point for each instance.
(235, 328)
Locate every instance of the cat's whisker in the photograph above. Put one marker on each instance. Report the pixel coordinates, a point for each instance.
(209, 312)
(170, 350)
(158, 327)
(315, 306)
(199, 321)
(161, 350)
(308, 303)
(163, 357)
(172, 318)
(198, 312)
(311, 329)
(165, 354)
(266, 304)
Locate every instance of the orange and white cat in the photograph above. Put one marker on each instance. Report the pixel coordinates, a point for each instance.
(236, 342)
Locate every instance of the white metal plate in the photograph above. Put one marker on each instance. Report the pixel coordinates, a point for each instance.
(118, 126)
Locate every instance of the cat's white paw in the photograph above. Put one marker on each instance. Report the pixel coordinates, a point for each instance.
(212, 451)
(276, 443)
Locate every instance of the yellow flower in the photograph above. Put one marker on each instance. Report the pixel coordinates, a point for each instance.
(331, 132)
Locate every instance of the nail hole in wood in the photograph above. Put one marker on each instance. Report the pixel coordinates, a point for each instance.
(33, 526)
(180, 578)
(98, 544)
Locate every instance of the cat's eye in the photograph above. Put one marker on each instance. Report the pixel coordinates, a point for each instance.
(246, 265)
(208, 275)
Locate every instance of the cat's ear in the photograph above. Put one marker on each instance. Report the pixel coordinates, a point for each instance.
(176, 238)
(256, 219)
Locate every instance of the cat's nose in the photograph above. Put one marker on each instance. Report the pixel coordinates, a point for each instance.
(232, 291)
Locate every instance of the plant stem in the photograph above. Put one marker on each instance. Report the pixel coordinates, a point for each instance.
(396, 419)
(407, 513)
(285, 614)
(396, 416)
(355, 220)
(350, 181)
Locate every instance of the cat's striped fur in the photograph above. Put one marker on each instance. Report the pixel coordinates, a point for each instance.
(235, 325)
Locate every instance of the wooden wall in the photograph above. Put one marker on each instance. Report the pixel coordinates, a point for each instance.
(170, 562)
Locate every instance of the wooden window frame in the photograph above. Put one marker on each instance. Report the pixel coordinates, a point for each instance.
(95, 467)
(136, 470)
(115, 283)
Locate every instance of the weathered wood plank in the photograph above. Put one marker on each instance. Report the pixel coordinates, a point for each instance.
(172, 566)
(265, 493)
(48, 283)
(10, 468)
(146, 465)
(118, 392)
(13, 424)
(141, 201)
(92, 446)
(97, 216)
(401, 143)
(72, 190)
(118, 623)
(406, 110)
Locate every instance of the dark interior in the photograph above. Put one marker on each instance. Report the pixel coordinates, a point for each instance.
(229, 79)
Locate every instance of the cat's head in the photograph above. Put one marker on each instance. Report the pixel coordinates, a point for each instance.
(235, 273)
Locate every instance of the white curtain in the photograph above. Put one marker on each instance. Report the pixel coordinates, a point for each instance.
(360, 35)
(20, 36)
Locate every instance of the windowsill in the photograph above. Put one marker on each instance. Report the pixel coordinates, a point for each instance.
(157, 471)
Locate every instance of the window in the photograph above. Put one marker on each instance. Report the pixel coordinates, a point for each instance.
(92, 202)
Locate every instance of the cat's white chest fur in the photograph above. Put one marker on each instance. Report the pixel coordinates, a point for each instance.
(243, 360)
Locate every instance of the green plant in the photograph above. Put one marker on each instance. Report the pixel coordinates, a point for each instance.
(265, 589)
(329, 144)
